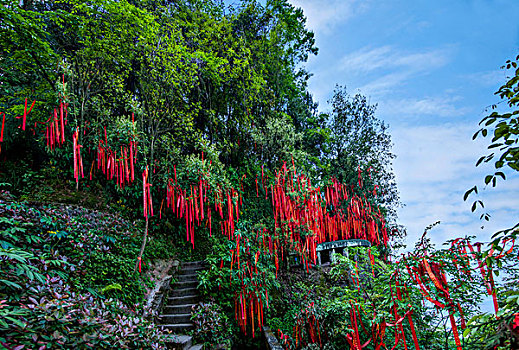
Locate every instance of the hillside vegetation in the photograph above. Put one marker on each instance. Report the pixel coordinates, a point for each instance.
(137, 131)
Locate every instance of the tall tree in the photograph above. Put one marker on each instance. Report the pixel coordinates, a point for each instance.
(360, 142)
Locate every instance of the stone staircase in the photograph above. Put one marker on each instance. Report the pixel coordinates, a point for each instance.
(176, 313)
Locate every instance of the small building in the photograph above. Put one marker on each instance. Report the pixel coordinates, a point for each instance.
(325, 251)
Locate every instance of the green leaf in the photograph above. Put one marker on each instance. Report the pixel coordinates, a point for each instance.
(113, 286)
(16, 322)
(12, 284)
(467, 194)
(494, 145)
(500, 173)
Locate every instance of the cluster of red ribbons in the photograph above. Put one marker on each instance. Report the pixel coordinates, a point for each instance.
(78, 160)
(359, 220)
(118, 164)
(376, 334)
(465, 251)
(55, 130)
(423, 272)
(307, 322)
(248, 307)
(298, 207)
(23, 117)
(146, 194)
(192, 205)
(249, 303)
(55, 125)
(354, 338)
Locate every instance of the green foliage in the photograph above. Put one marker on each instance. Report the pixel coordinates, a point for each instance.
(504, 126)
(55, 316)
(327, 299)
(212, 326)
(64, 284)
(16, 262)
(277, 141)
(103, 270)
(225, 278)
(160, 246)
(486, 330)
(359, 141)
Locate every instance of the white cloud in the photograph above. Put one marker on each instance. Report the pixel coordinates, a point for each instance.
(380, 71)
(387, 57)
(435, 165)
(323, 15)
(381, 86)
(366, 59)
(441, 106)
(455, 215)
(387, 67)
(435, 152)
(488, 78)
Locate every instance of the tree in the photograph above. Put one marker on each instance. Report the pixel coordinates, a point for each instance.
(360, 142)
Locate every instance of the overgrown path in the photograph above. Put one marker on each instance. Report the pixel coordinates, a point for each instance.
(176, 313)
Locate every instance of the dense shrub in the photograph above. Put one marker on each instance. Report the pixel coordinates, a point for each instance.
(53, 315)
(68, 281)
(212, 326)
(102, 270)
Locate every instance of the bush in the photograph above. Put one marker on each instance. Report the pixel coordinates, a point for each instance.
(103, 269)
(52, 315)
(212, 325)
(68, 281)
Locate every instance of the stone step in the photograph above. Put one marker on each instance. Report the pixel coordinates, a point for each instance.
(180, 292)
(187, 278)
(193, 263)
(185, 284)
(196, 347)
(186, 299)
(191, 270)
(177, 309)
(179, 342)
(175, 318)
(178, 327)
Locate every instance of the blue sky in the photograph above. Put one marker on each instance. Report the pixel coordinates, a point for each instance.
(432, 67)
